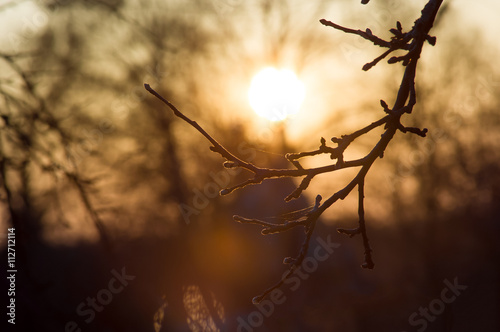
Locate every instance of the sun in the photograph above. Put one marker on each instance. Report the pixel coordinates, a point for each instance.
(276, 94)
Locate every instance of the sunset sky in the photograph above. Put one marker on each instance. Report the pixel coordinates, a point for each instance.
(204, 210)
(337, 92)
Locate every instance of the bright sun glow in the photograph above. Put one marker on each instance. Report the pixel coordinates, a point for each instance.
(276, 94)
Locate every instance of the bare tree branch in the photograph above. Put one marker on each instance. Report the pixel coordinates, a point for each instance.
(411, 42)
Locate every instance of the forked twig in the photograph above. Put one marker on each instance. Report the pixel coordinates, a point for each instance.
(411, 42)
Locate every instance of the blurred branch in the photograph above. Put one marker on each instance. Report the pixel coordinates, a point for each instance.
(29, 135)
(411, 42)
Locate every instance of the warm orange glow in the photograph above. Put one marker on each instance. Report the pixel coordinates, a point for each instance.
(276, 94)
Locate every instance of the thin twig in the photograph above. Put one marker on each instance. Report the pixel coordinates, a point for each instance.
(368, 264)
(367, 34)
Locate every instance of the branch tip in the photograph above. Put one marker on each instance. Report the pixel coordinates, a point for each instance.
(224, 192)
(368, 265)
(257, 299)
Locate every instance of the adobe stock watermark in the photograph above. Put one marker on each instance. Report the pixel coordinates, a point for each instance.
(426, 315)
(87, 309)
(222, 179)
(225, 7)
(309, 265)
(211, 189)
(93, 138)
(453, 118)
(34, 19)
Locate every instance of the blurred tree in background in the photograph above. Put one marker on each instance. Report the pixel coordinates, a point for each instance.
(96, 175)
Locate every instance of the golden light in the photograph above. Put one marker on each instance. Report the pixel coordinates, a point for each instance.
(276, 94)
